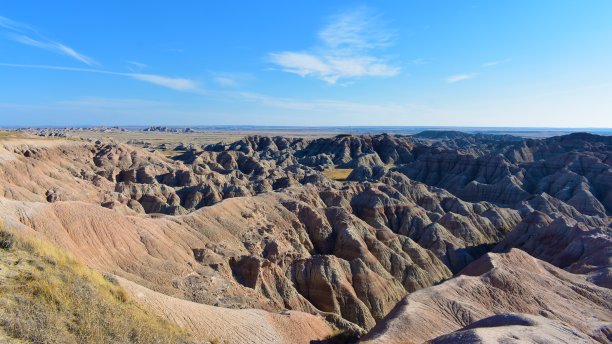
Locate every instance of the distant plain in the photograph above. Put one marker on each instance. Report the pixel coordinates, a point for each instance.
(203, 135)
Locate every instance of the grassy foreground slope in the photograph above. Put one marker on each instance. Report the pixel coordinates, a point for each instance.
(48, 296)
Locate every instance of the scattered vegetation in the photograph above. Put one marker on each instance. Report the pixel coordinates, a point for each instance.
(171, 153)
(48, 296)
(339, 337)
(339, 174)
(9, 134)
(216, 341)
(6, 239)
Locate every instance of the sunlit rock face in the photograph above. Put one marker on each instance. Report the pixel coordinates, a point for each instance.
(265, 222)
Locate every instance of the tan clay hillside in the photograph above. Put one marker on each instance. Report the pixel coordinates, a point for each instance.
(258, 241)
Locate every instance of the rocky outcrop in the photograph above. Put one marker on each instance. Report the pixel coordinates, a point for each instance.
(257, 224)
(512, 282)
(513, 327)
(565, 243)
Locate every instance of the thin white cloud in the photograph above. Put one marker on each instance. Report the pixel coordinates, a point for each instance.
(112, 103)
(23, 34)
(346, 50)
(359, 29)
(491, 64)
(178, 84)
(136, 66)
(231, 80)
(225, 81)
(419, 61)
(324, 105)
(494, 63)
(55, 47)
(14, 26)
(460, 77)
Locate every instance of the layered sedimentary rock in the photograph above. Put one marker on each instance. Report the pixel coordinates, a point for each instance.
(259, 224)
(514, 327)
(565, 243)
(512, 282)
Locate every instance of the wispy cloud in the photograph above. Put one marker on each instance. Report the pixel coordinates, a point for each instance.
(460, 77)
(324, 105)
(359, 29)
(23, 33)
(231, 79)
(14, 26)
(346, 50)
(419, 61)
(466, 76)
(225, 81)
(112, 103)
(495, 63)
(179, 84)
(136, 66)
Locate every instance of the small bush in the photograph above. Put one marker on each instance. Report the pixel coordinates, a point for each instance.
(111, 278)
(339, 337)
(6, 239)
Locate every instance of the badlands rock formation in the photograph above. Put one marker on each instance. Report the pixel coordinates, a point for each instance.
(512, 282)
(258, 224)
(513, 327)
(566, 243)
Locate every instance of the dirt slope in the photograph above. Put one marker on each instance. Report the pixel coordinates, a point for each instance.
(232, 325)
(499, 283)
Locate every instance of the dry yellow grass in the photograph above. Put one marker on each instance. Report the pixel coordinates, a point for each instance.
(198, 138)
(339, 174)
(171, 153)
(9, 135)
(48, 296)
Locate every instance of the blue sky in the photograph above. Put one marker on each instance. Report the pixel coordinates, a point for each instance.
(457, 63)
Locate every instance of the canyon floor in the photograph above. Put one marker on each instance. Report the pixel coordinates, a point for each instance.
(436, 236)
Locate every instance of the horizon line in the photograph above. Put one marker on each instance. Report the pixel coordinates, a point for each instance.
(176, 126)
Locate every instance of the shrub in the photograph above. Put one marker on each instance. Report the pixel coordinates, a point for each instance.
(6, 239)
